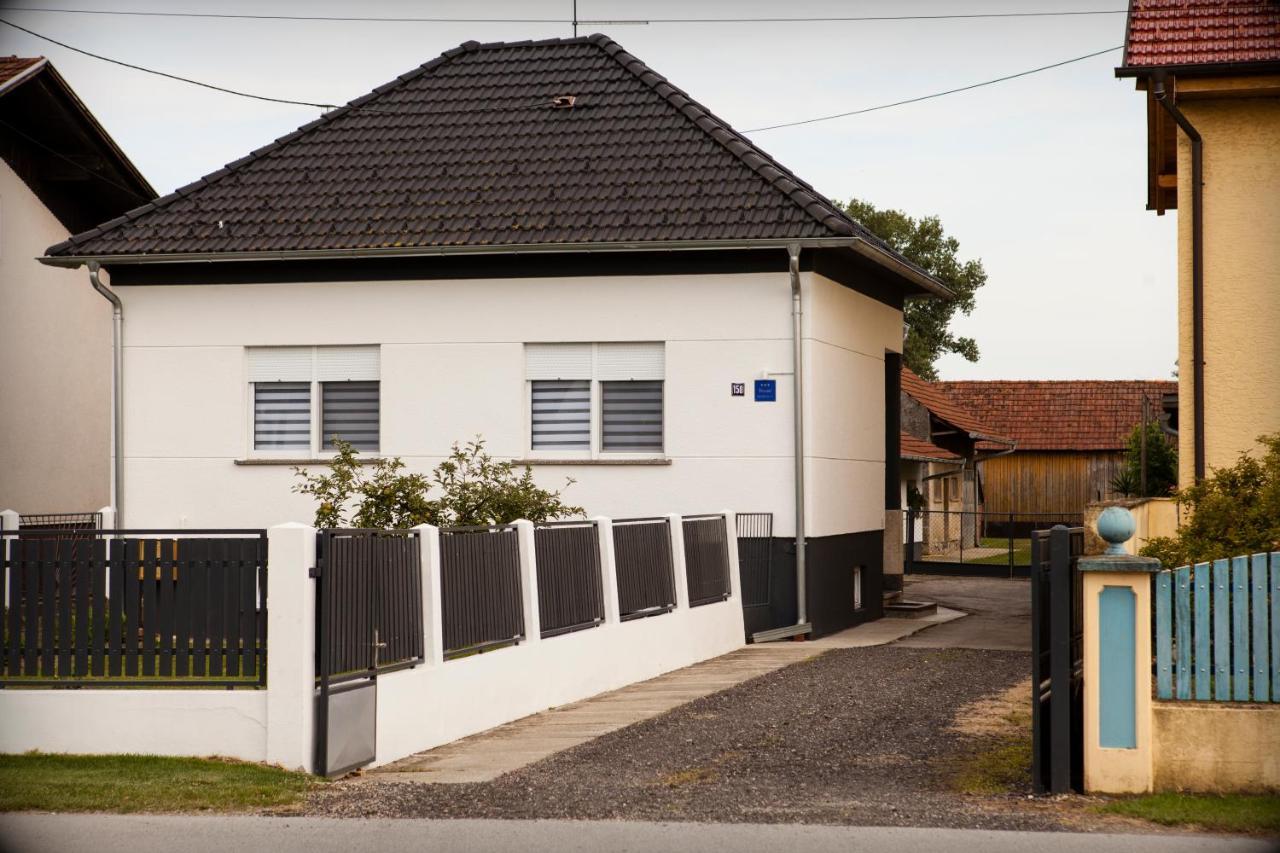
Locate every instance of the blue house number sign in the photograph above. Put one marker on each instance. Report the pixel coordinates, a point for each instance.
(766, 390)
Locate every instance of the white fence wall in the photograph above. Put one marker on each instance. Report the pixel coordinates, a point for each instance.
(429, 705)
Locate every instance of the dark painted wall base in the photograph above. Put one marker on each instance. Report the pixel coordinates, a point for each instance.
(830, 566)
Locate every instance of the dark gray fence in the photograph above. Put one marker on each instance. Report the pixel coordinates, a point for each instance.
(368, 603)
(755, 556)
(61, 521)
(141, 608)
(976, 543)
(706, 559)
(642, 556)
(570, 594)
(481, 604)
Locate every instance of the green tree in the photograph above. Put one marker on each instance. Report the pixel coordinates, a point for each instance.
(473, 488)
(925, 243)
(1162, 465)
(1234, 511)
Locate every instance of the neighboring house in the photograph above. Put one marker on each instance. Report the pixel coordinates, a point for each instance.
(60, 174)
(545, 243)
(1211, 74)
(1071, 438)
(942, 447)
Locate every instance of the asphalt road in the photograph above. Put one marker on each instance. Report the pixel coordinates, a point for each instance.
(999, 613)
(218, 834)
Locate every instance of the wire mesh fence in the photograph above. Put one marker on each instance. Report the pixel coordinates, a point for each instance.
(976, 542)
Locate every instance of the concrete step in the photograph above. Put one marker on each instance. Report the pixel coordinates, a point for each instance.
(903, 609)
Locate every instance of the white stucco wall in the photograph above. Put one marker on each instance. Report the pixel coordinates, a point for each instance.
(55, 367)
(452, 366)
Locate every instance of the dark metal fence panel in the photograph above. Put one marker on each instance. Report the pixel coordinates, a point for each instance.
(706, 559)
(975, 542)
(481, 600)
(1057, 653)
(85, 610)
(570, 595)
(642, 556)
(60, 521)
(755, 556)
(369, 603)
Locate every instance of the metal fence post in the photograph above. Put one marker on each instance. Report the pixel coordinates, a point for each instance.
(432, 620)
(679, 571)
(608, 568)
(1011, 560)
(731, 543)
(529, 581)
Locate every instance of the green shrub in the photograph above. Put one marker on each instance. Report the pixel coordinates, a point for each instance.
(473, 489)
(1234, 511)
(1162, 465)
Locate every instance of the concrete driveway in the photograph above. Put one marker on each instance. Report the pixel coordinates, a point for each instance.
(999, 612)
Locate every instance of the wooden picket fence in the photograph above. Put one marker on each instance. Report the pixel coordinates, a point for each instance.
(1218, 630)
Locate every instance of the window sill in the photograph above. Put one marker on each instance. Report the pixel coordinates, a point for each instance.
(268, 460)
(660, 460)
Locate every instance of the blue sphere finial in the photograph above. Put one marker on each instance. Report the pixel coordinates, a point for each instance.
(1116, 525)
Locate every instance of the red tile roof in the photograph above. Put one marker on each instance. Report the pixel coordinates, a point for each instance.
(933, 397)
(12, 66)
(1201, 32)
(910, 447)
(1086, 415)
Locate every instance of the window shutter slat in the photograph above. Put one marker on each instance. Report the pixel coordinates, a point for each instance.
(347, 364)
(557, 361)
(282, 416)
(350, 410)
(280, 364)
(624, 361)
(631, 416)
(561, 414)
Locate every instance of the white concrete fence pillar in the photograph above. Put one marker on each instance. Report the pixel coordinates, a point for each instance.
(108, 515)
(529, 581)
(9, 520)
(731, 541)
(608, 568)
(432, 612)
(291, 640)
(1117, 662)
(679, 570)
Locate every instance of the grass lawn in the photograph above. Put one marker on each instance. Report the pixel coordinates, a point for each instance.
(1258, 813)
(1021, 552)
(144, 783)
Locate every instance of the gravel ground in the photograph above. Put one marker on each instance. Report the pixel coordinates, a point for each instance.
(855, 736)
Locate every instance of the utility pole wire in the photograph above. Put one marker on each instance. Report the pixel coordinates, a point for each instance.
(934, 94)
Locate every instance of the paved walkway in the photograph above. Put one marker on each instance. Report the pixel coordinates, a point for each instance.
(219, 833)
(999, 612)
(487, 755)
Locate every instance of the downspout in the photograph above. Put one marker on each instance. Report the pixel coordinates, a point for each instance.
(117, 399)
(797, 349)
(1197, 267)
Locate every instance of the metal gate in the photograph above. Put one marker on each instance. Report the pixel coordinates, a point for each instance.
(368, 622)
(1057, 655)
(755, 557)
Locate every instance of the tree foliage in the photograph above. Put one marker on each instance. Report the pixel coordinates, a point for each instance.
(1162, 465)
(1234, 511)
(472, 488)
(925, 243)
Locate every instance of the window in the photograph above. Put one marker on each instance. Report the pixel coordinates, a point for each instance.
(857, 587)
(589, 398)
(305, 396)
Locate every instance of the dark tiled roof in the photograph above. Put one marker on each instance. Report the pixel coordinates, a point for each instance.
(1201, 32)
(933, 397)
(910, 447)
(468, 151)
(1061, 415)
(12, 66)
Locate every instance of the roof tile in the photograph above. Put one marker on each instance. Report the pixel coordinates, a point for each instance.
(1201, 32)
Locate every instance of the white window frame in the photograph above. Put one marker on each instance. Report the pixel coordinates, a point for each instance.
(595, 450)
(316, 414)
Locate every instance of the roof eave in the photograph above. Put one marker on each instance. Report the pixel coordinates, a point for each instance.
(919, 457)
(1201, 69)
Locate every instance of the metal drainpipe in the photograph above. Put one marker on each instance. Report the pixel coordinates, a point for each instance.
(1197, 267)
(802, 605)
(117, 399)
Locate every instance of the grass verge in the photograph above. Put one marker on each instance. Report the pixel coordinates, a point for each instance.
(144, 783)
(1252, 813)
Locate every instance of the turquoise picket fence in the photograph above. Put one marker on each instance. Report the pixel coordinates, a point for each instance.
(1218, 630)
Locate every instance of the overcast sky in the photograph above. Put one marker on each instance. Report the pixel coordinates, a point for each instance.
(1042, 177)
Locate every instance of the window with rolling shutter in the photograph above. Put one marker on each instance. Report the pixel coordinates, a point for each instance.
(631, 416)
(342, 380)
(561, 414)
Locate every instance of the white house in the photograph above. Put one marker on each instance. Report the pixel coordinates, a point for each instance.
(59, 173)
(544, 243)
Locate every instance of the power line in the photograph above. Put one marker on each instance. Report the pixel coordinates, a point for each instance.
(80, 166)
(934, 94)
(636, 21)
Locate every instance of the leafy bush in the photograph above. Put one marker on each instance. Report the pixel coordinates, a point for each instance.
(1162, 465)
(473, 488)
(1235, 511)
